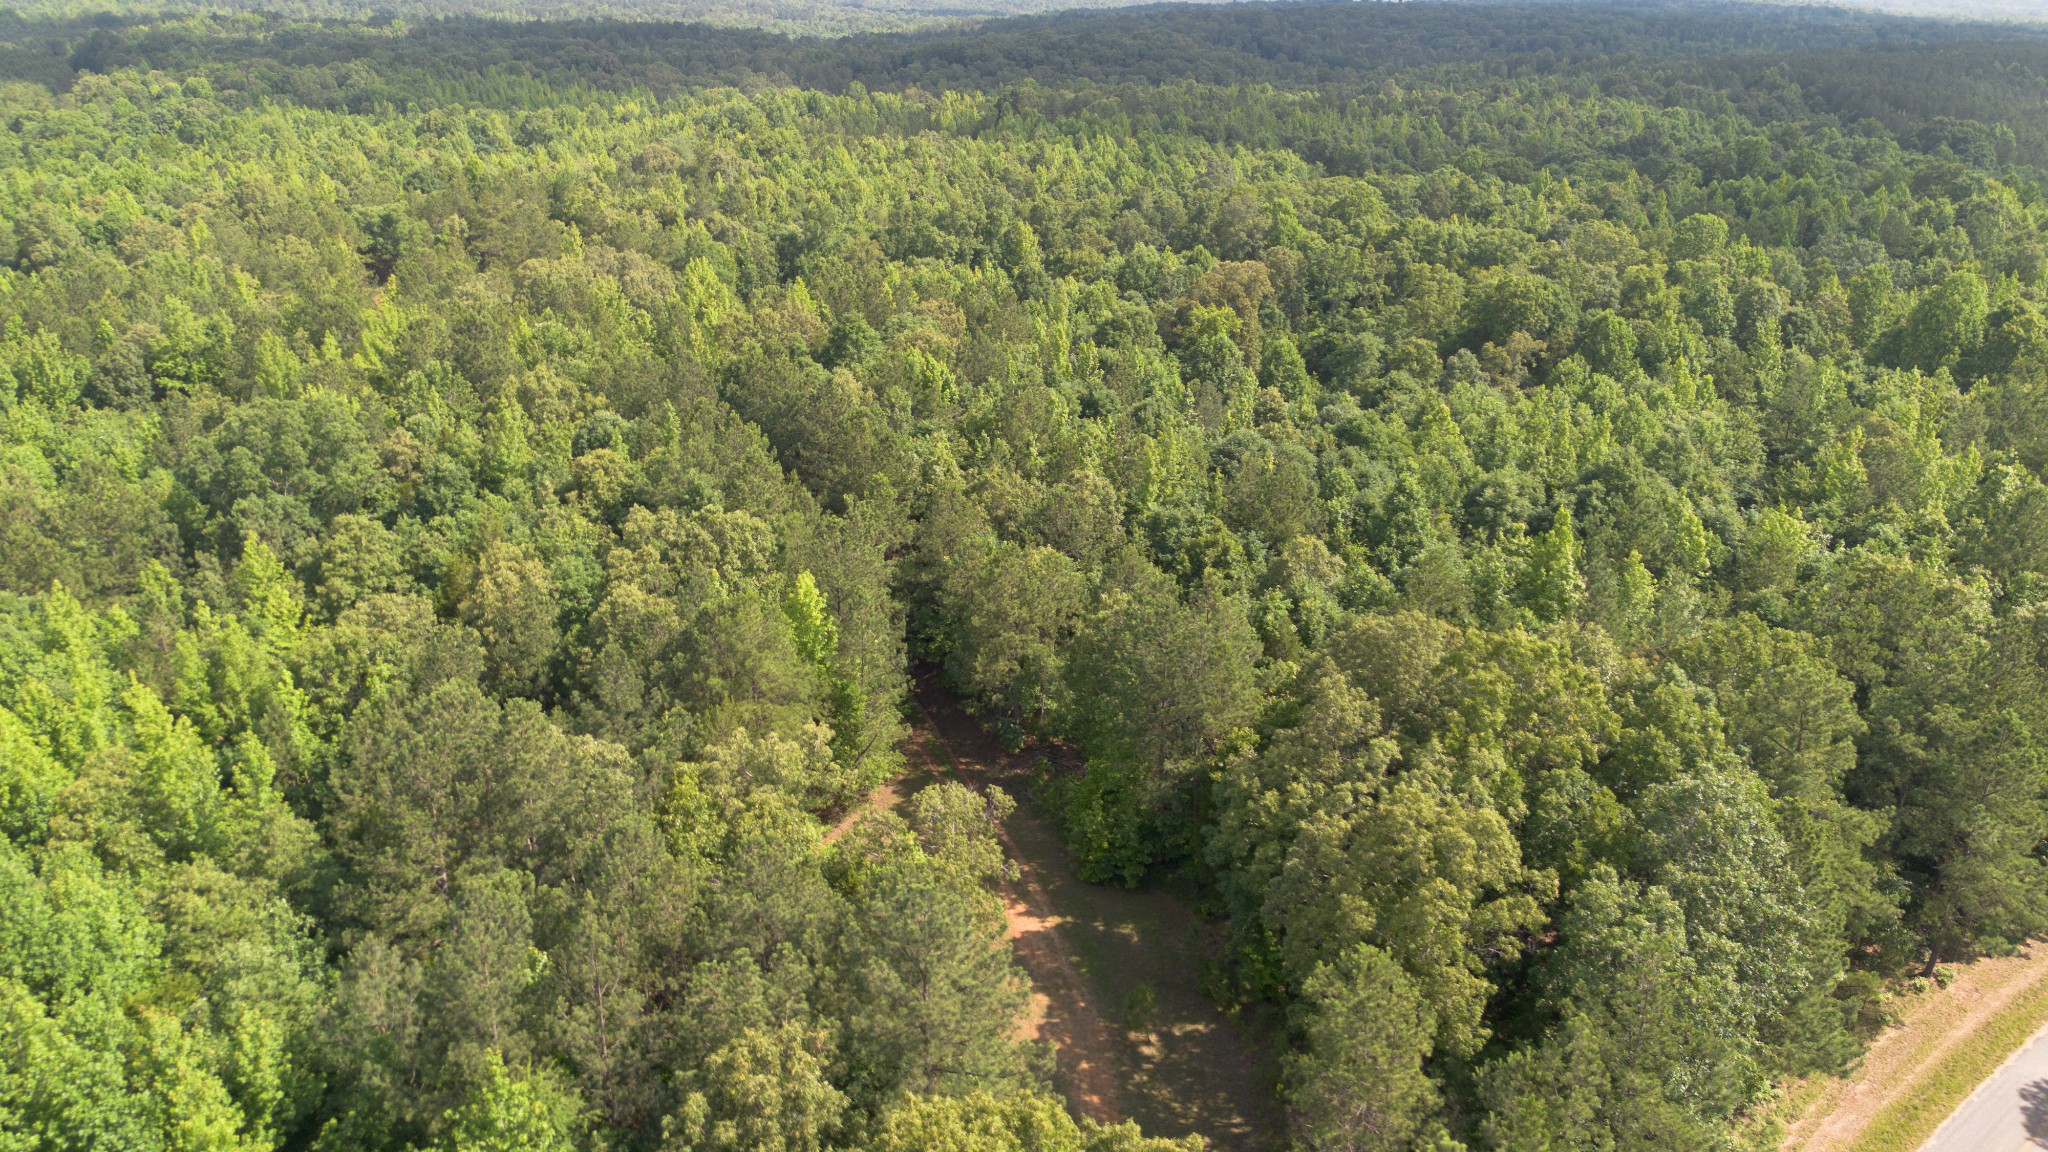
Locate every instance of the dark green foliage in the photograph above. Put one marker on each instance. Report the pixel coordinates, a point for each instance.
(1537, 515)
(1358, 1083)
(1643, 1054)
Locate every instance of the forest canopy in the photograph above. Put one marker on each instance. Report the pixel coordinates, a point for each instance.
(809, 17)
(1539, 515)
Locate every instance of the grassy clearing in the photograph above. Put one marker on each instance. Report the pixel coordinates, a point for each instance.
(1909, 1120)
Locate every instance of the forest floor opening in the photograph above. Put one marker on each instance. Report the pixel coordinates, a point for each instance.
(1910, 1059)
(1116, 974)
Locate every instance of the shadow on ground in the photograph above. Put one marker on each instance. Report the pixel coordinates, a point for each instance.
(1133, 964)
(2034, 1109)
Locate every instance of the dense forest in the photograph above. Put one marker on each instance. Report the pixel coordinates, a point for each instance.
(810, 17)
(1538, 514)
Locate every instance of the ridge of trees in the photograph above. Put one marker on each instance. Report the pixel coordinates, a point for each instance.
(1555, 554)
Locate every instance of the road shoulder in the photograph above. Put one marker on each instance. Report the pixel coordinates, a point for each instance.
(1918, 1071)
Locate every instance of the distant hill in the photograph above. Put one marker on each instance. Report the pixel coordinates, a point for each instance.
(828, 17)
(2026, 11)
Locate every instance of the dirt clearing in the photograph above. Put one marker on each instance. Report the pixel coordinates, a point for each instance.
(1116, 974)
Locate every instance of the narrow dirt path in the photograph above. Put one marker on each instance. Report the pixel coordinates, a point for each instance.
(887, 798)
(1117, 974)
(1062, 1011)
(1907, 1051)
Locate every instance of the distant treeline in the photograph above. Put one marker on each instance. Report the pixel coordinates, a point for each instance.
(1916, 78)
(1535, 518)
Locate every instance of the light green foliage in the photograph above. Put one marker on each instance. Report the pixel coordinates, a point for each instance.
(1348, 833)
(1947, 325)
(1021, 1122)
(810, 624)
(961, 828)
(802, 769)
(1550, 585)
(81, 943)
(513, 610)
(765, 1091)
(1281, 369)
(29, 781)
(1426, 874)
(1557, 566)
(511, 1112)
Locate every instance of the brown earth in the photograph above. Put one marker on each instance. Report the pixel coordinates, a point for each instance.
(888, 798)
(1116, 974)
(1091, 951)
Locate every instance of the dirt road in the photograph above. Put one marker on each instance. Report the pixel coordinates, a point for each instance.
(1116, 974)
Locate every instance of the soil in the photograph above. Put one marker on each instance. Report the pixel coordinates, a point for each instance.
(1117, 981)
(888, 798)
(1116, 974)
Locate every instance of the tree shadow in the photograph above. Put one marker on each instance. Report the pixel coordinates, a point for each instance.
(1136, 1010)
(2034, 1109)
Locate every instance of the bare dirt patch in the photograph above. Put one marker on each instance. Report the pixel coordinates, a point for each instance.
(888, 798)
(1116, 974)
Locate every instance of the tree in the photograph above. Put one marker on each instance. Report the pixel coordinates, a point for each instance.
(1871, 305)
(514, 1113)
(475, 984)
(1213, 365)
(1008, 1122)
(1550, 584)
(1644, 1055)
(801, 770)
(1153, 680)
(1011, 611)
(1281, 368)
(765, 1091)
(1795, 718)
(1944, 329)
(433, 785)
(1950, 749)
(29, 782)
(1584, 556)
(1431, 877)
(961, 829)
(1358, 1084)
(935, 997)
(513, 609)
